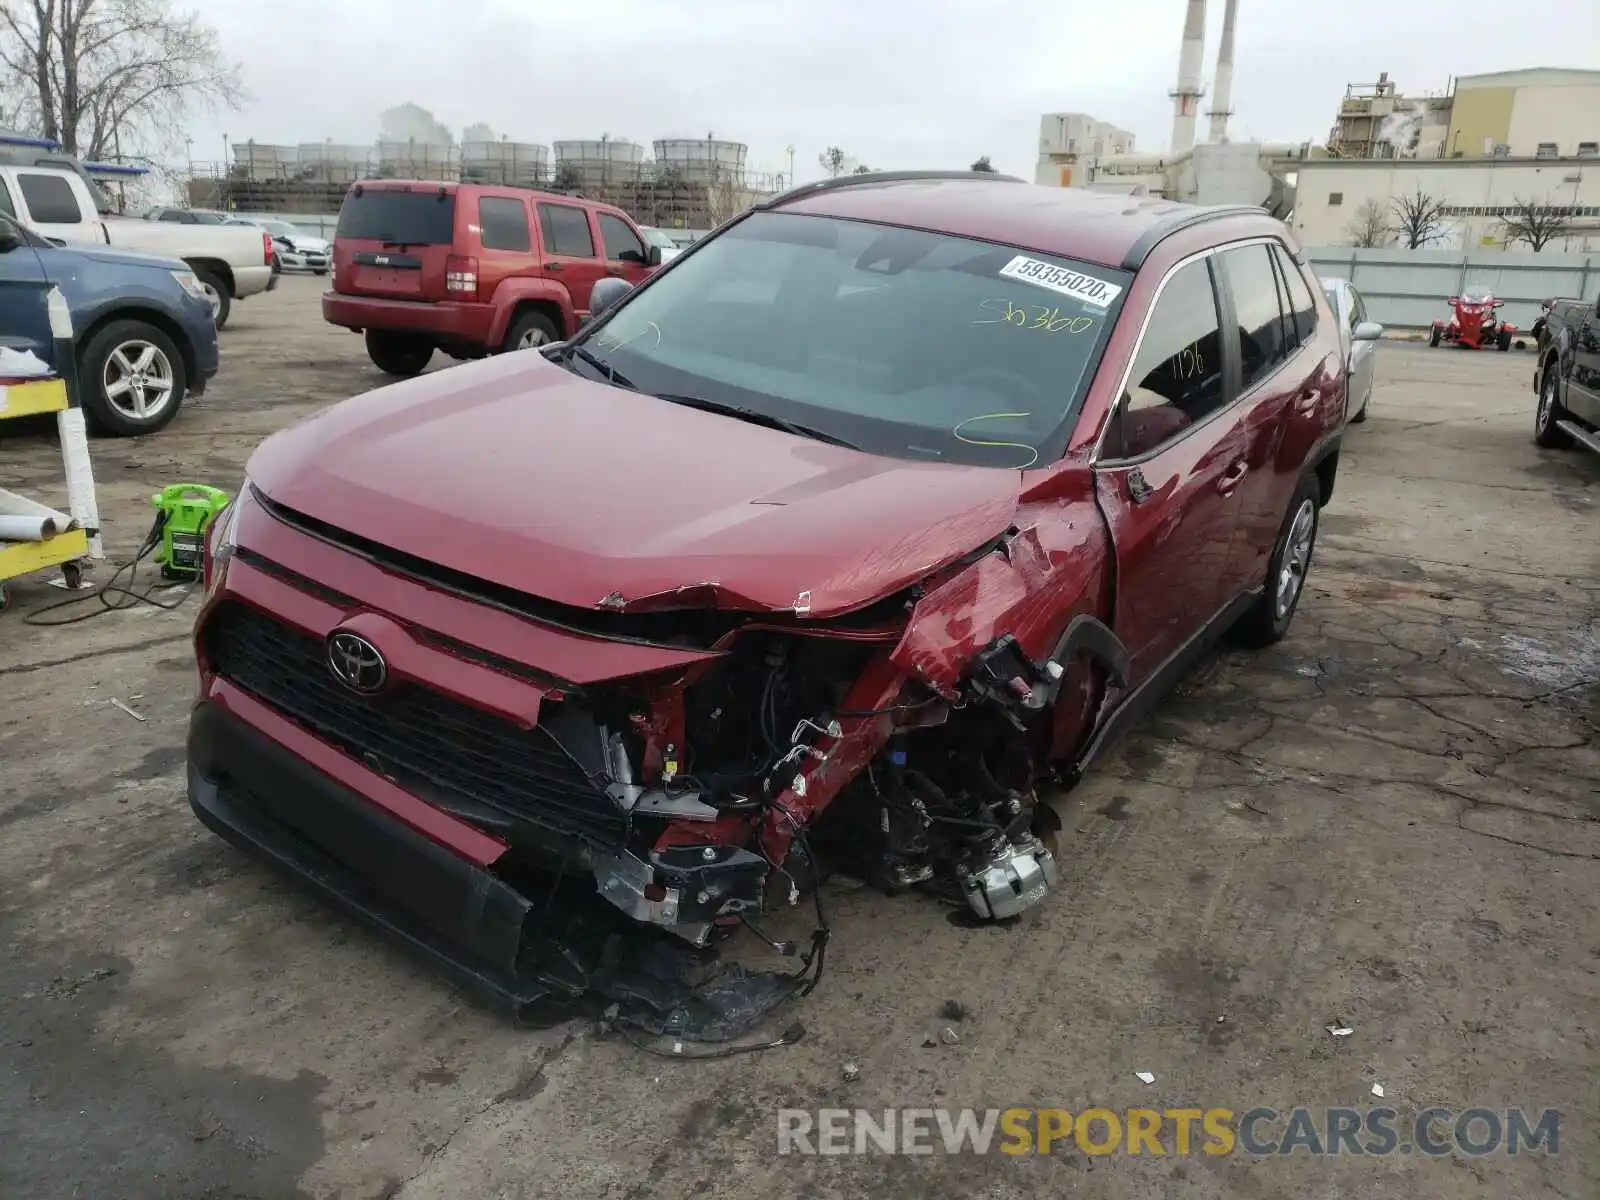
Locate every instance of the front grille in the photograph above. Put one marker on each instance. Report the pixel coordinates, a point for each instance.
(415, 734)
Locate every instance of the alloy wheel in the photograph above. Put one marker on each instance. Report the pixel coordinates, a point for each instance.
(1296, 557)
(138, 380)
(1547, 402)
(532, 338)
(213, 295)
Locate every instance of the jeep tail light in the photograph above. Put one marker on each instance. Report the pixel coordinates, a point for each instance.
(266, 248)
(461, 276)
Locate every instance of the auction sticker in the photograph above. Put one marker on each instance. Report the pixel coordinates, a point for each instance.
(1095, 292)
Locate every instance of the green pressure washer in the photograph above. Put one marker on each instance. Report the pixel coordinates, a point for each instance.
(184, 512)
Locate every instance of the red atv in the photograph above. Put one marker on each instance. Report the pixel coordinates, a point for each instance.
(1474, 324)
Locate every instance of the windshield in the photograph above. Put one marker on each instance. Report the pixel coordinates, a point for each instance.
(657, 238)
(280, 229)
(390, 215)
(1476, 295)
(904, 343)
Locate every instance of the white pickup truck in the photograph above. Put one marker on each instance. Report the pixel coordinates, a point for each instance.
(57, 200)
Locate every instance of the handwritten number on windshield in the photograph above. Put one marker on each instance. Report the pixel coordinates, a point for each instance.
(1045, 319)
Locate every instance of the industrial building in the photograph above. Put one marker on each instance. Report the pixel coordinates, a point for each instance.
(1076, 150)
(1483, 148)
(1477, 195)
(691, 183)
(1538, 112)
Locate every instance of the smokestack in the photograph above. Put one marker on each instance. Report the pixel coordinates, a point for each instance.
(1186, 96)
(1222, 92)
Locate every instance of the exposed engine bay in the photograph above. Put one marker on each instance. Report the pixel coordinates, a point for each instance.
(797, 754)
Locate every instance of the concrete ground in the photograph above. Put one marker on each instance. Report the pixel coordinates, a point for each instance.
(1387, 823)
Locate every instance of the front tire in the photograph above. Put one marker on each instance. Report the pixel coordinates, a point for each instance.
(1433, 338)
(216, 292)
(1268, 619)
(132, 379)
(401, 354)
(1545, 431)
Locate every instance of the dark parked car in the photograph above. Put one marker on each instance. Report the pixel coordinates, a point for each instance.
(895, 498)
(144, 328)
(1567, 379)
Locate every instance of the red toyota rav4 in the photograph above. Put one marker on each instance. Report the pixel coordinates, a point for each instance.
(892, 501)
(471, 269)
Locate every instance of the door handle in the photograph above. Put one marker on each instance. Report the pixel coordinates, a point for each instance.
(1138, 490)
(552, 266)
(1231, 477)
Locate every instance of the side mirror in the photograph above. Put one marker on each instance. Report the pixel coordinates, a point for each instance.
(1367, 331)
(10, 239)
(653, 256)
(606, 295)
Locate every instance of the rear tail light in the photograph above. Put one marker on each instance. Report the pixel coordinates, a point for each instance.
(266, 248)
(461, 276)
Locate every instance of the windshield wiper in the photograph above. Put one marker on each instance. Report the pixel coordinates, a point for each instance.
(758, 418)
(600, 364)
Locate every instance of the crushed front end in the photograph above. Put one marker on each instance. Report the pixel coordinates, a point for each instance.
(560, 804)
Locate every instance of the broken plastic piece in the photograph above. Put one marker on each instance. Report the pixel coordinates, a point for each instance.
(1340, 1030)
(1377, 1090)
(1144, 1076)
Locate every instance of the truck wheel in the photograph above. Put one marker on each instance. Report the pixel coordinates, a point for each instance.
(530, 330)
(216, 292)
(1268, 619)
(1545, 431)
(402, 354)
(1433, 338)
(131, 377)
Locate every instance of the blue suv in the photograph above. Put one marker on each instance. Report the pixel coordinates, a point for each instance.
(145, 335)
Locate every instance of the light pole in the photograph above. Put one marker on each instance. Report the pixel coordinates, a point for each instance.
(791, 166)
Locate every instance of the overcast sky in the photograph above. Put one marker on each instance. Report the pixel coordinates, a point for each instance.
(897, 84)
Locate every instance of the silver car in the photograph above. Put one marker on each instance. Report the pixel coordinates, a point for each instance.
(1359, 338)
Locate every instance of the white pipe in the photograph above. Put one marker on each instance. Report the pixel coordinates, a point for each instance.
(1222, 92)
(1186, 97)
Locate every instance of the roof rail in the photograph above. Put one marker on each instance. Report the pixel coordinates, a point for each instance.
(844, 181)
(1186, 217)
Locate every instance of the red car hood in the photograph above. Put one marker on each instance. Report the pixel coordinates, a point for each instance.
(520, 473)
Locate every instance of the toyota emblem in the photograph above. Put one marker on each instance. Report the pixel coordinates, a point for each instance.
(357, 663)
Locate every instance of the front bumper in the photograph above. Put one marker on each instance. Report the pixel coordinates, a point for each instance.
(573, 952)
(460, 918)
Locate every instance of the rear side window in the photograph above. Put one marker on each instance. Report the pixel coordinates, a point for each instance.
(1255, 306)
(1177, 377)
(49, 199)
(175, 217)
(622, 244)
(1300, 301)
(385, 215)
(566, 230)
(504, 222)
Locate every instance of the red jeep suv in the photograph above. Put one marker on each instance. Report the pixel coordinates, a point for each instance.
(471, 269)
(890, 503)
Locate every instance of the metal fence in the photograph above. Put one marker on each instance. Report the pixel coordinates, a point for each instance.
(1406, 289)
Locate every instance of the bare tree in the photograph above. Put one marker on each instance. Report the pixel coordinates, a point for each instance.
(1418, 220)
(728, 198)
(1371, 226)
(1536, 224)
(112, 77)
(835, 162)
(983, 164)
